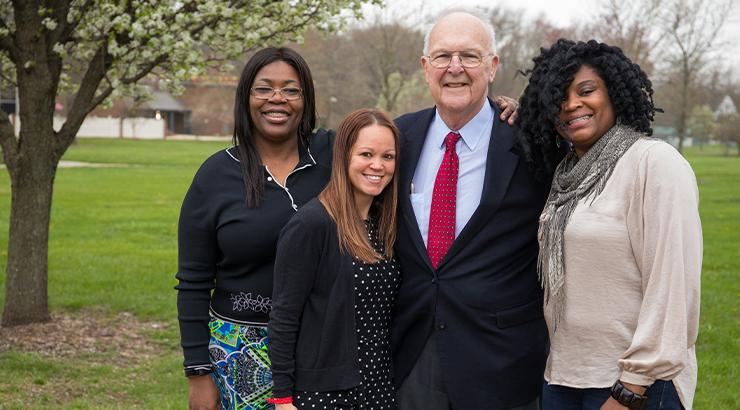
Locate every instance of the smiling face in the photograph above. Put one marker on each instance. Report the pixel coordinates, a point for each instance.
(372, 163)
(459, 92)
(276, 119)
(587, 112)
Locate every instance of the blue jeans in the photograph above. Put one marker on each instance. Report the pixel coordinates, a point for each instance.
(662, 395)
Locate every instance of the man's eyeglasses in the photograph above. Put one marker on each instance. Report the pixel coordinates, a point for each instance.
(467, 59)
(265, 93)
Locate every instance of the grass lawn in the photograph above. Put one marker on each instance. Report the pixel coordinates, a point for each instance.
(718, 347)
(113, 249)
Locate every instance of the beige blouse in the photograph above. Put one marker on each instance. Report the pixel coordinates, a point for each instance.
(632, 271)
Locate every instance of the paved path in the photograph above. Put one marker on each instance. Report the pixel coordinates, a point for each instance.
(80, 164)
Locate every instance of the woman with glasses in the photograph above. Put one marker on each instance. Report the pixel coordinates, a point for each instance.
(232, 214)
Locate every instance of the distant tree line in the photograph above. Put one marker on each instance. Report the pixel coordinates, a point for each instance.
(677, 42)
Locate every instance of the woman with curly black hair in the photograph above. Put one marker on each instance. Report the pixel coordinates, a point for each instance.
(620, 236)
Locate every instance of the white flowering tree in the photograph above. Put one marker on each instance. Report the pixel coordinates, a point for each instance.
(99, 50)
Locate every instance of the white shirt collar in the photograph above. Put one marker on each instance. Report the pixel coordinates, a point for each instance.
(470, 133)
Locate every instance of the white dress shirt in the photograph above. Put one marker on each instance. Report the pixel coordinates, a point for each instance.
(472, 151)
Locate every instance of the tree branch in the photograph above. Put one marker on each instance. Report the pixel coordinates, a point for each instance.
(65, 33)
(7, 43)
(81, 105)
(86, 100)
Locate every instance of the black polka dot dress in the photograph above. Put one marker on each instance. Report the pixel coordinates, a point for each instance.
(376, 286)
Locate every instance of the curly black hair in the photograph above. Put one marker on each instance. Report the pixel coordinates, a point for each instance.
(629, 89)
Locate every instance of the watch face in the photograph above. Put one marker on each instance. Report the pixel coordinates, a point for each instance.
(626, 397)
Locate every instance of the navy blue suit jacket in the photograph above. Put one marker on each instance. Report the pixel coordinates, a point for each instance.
(484, 299)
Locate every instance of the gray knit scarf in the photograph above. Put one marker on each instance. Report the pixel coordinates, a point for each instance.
(576, 179)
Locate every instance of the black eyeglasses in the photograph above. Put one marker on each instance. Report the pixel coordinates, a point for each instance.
(265, 93)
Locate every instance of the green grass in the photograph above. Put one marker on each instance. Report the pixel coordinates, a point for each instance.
(113, 248)
(189, 154)
(718, 347)
(156, 384)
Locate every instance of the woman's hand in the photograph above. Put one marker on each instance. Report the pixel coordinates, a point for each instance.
(203, 394)
(508, 108)
(286, 406)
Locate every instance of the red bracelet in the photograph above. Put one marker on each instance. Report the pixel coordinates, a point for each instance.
(280, 400)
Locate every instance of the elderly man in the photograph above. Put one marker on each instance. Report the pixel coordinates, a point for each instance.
(468, 331)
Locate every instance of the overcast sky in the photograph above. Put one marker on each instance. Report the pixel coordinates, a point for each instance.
(565, 12)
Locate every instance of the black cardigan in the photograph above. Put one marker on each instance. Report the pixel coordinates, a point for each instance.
(312, 330)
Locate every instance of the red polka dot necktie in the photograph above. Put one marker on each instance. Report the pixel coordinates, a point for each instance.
(441, 232)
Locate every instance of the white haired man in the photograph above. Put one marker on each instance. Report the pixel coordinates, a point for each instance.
(468, 330)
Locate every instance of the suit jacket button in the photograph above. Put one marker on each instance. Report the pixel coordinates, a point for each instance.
(434, 280)
(441, 326)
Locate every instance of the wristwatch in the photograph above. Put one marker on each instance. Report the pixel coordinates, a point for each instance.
(198, 371)
(627, 397)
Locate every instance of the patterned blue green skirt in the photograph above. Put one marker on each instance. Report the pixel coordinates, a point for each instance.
(241, 366)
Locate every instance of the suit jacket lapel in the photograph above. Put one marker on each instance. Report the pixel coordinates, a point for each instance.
(411, 145)
(500, 165)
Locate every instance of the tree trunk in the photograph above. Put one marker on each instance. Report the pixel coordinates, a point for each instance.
(30, 209)
(33, 156)
(681, 126)
(681, 130)
(684, 113)
(32, 166)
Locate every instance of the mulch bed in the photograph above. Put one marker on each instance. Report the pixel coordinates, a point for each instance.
(85, 333)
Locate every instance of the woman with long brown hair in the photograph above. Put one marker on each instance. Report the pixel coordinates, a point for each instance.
(335, 279)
